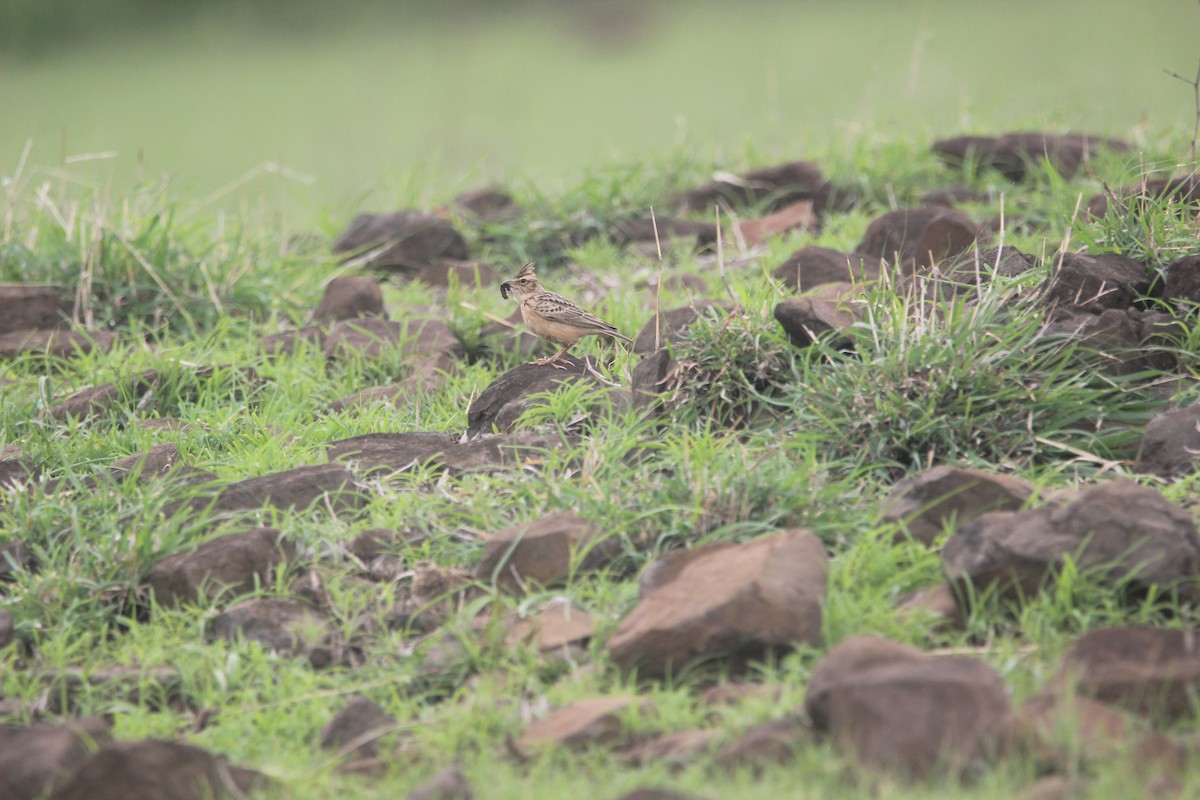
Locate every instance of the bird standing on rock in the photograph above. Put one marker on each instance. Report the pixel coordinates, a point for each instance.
(553, 317)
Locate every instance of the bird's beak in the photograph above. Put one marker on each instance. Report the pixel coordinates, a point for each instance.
(504, 290)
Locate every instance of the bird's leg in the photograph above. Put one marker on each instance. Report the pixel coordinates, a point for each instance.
(553, 360)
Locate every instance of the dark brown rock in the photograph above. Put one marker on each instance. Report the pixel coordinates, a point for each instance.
(1064, 726)
(349, 297)
(1151, 671)
(856, 654)
(285, 343)
(44, 755)
(156, 462)
(390, 451)
(1171, 444)
(376, 542)
(946, 497)
(356, 728)
(1183, 192)
(773, 187)
(668, 326)
(1124, 534)
(976, 267)
(936, 607)
(500, 405)
(1015, 154)
(830, 310)
(1116, 341)
(298, 488)
(1182, 286)
(27, 306)
(951, 196)
(488, 204)
(669, 230)
(233, 564)
(402, 241)
(545, 551)
(55, 343)
(1093, 283)
(558, 628)
(666, 568)
(448, 784)
(813, 265)
(595, 722)
(899, 710)
(674, 750)
(399, 452)
(100, 399)
(768, 744)
(917, 238)
(649, 377)
(795, 217)
(738, 602)
(151, 769)
(468, 274)
(290, 627)
(369, 337)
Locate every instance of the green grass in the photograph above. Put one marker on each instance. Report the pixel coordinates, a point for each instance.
(381, 106)
(761, 436)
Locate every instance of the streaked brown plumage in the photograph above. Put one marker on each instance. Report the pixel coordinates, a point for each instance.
(553, 317)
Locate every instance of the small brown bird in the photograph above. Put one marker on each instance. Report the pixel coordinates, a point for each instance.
(553, 317)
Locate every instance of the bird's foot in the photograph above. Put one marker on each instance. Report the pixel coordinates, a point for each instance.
(553, 361)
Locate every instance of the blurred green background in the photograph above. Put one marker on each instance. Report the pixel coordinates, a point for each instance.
(334, 107)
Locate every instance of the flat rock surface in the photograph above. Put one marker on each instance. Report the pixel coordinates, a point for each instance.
(946, 497)
(545, 551)
(1170, 446)
(917, 238)
(44, 755)
(732, 601)
(228, 565)
(283, 625)
(402, 241)
(814, 265)
(29, 306)
(350, 296)
(1123, 533)
(897, 709)
(498, 407)
(399, 452)
(1152, 671)
(153, 769)
(584, 723)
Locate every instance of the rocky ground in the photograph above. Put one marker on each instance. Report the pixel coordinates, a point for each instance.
(708, 611)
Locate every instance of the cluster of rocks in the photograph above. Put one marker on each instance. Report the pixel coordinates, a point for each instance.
(79, 759)
(37, 318)
(887, 705)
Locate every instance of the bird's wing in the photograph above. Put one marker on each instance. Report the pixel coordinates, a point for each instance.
(556, 308)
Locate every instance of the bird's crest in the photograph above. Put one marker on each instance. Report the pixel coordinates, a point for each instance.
(525, 272)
